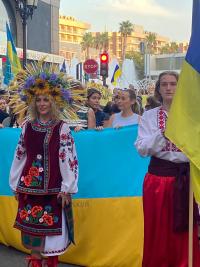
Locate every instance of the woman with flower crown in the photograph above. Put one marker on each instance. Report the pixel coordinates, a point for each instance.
(44, 172)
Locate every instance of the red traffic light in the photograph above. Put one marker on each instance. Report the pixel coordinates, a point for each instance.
(104, 64)
(104, 57)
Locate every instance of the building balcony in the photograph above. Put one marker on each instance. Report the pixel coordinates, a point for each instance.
(71, 33)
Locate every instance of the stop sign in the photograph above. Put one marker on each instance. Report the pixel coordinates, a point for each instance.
(90, 66)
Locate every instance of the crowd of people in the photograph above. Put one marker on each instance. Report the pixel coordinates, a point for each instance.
(126, 105)
(44, 213)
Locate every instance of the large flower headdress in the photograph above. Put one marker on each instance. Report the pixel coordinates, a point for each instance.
(40, 79)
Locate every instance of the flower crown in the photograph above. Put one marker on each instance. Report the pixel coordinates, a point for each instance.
(45, 83)
(39, 79)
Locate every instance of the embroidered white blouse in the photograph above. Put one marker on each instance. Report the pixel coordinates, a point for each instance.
(67, 162)
(151, 141)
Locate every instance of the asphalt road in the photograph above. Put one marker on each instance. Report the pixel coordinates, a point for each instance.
(10, 257)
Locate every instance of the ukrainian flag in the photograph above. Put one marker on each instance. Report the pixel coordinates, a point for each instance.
(107, 209)
(13, 64)
(183, 126)
(116, 75)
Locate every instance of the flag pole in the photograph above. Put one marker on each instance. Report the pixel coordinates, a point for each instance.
(190, 242)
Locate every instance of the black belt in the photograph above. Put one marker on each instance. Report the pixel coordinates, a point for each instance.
(181, 172)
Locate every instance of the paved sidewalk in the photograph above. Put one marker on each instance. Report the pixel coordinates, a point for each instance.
(10, 257)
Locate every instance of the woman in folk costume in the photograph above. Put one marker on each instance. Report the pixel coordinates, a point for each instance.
(44, 171)
(166, 188)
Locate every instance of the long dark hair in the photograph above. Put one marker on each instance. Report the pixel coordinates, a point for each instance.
(152, 102)
(157, 86)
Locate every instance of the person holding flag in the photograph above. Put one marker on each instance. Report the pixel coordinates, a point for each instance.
(165, 188)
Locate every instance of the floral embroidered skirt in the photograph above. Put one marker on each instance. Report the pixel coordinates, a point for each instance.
(42, 221)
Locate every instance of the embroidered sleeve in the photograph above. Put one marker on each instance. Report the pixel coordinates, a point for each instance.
(150, 138)
(68, 161)
(18, 161)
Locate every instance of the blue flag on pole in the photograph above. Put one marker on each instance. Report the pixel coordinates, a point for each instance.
(183, 125)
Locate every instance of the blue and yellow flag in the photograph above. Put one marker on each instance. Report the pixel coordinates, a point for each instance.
(108, 212)
(13, 64)
(183, 126)
(116, 75)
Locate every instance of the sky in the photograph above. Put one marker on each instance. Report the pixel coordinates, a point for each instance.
(170, 18)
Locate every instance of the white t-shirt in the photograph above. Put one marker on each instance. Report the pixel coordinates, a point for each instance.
(124, 121)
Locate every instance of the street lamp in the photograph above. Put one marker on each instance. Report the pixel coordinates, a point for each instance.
(25, 9)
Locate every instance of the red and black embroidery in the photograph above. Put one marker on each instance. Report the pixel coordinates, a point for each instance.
(34, 177)
(21, 148)
(67, 140)
(66, 146)
(74, 166)
(162, 118)
(38, 215)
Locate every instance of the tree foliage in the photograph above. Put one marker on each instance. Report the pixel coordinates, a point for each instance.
(87, 42)
(171, 48)
(101, 41)
(151, 42)
(126, 28)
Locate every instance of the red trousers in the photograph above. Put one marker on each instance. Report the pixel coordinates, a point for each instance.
(162, 246)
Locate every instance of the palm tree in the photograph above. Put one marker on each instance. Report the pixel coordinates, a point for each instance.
(174, 47)
(101, 41)
(126, 28)
(87, 42)
(171, 48)
(151, 42)
(165, 49)
(105, 40)
(97, 42)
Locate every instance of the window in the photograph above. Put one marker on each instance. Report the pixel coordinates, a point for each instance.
(169, 63)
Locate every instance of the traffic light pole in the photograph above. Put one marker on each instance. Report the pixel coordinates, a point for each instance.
(104, 66)
(104, 80)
